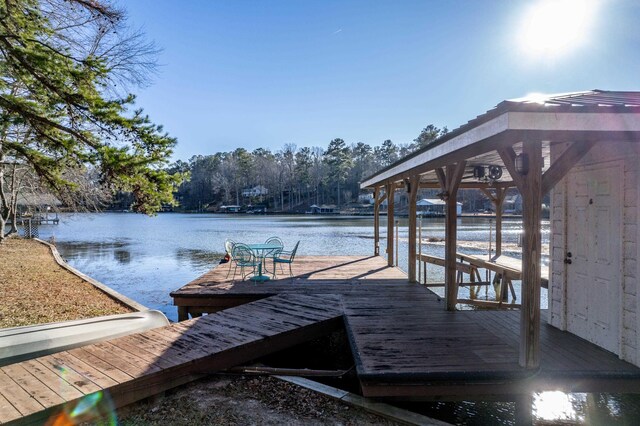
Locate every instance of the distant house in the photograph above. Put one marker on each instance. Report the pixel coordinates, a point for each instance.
(323, 209)
(435, 207)
(256, 191)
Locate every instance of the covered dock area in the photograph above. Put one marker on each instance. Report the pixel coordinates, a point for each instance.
(532, 144)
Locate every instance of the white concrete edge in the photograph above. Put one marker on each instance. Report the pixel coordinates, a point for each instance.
(379, 408)
(109, 291)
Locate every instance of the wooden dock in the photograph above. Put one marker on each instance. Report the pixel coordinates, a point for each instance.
(124, 370)
(406, 345)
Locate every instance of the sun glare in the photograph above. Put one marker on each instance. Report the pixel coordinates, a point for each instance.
(556, 406)
(555, 27)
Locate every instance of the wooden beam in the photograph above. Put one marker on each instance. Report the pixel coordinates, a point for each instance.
(499, 205)
(489, 195)
(390, 219)
(564, 163)
(413, 198)
(531, 213)
(452, 180)
(471, 185)
(376, 221)
(508, 156)
(498, 202)
(381, 198)
(442, 179)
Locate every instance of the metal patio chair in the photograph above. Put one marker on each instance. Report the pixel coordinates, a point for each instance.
(228, 249)
(243, 257)
(285, 257)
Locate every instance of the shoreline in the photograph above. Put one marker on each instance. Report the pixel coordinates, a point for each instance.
(505, 217)
(130, 303)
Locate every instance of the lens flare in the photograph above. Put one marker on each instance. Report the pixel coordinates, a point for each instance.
(96, 408)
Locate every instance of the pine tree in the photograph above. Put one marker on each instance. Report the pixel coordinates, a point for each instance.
(63, 94)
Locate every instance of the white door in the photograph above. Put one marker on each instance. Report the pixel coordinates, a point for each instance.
(594, 247)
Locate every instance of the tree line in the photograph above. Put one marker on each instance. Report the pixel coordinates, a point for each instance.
(291, 178)
(70, 130)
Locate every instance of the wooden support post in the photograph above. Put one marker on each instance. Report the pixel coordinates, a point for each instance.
(390, 220)
(183, 313)
(532, 210)
(376, 221)
(453, 178)
(450, 231)
(498, 203)
(413, 198)
(530, 187)
(419, 247)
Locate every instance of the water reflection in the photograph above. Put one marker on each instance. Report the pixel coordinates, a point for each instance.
(198, 259)
(587, 408)
(94, 250)
(122, 256)
(558, 406)
(147, 258)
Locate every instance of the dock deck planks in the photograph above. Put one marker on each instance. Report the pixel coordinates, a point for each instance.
(134, 367)
(406, 345)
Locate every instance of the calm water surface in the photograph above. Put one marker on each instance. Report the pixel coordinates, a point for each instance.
(146, 258)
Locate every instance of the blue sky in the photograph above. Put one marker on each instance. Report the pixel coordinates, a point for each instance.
(266, 73)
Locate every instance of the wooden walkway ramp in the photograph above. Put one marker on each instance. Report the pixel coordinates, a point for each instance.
(135, 367)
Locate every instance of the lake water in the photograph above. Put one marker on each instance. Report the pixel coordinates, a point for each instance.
(146, 258)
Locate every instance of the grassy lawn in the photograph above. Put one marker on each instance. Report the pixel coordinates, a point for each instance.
(34, 289)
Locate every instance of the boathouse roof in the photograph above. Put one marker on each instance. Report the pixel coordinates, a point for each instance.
(557, 117)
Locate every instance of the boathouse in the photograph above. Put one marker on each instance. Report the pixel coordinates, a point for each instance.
(581, 147)
(435, 207)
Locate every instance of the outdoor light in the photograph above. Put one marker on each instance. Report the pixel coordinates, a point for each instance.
(407, 185)
(522, 164)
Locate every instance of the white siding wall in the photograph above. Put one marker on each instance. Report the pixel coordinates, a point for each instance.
(629, 320)
(557, 291)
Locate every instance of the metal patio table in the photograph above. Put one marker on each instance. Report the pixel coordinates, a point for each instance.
(261, 251)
